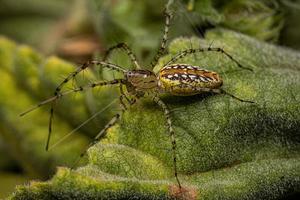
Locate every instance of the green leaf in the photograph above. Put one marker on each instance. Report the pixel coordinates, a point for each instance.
(24, 138)
(9, 181)
(260, 19)
(29, 78)
(225, 149)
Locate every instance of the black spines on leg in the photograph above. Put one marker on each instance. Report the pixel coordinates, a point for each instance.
(100, 135)
(219, 91)
(164, 40)
(58, 94)
(186, 52)
(50, 125)
(127, 50)
(171, 133)
(237, 98)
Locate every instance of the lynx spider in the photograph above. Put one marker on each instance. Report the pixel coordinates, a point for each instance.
(175, 79)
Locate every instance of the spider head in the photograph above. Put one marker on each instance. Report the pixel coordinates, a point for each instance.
(142, 79)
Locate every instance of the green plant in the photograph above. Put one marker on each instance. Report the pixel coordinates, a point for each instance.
(225, 149)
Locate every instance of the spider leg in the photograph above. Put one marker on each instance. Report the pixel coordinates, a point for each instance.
(102, 133)
(122, 104)
(164, 40)
(58, 94)
(78, 89)
(97, 138)
(85, 66)
(123, 95)
(128, 51)
(172, 134)
(82, 124)
(187, 52)
(221, 91)
(237, 98)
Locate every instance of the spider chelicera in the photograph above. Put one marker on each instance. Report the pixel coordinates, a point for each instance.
(173, 78)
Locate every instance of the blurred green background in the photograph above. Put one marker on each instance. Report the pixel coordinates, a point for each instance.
(77, 30)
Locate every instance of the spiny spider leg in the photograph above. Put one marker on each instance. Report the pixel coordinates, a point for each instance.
(172, 134)
(184, 53)
(164, 40)
(122, 104)
(123, 95)
(51, 99)
(111, 122)
(128, 51)
(82, 124)
(91, 85)
(97, 138)
(57, 93)
(101, 134)
(237, 98)
(220, 91)
(85, 66)
(72, 76)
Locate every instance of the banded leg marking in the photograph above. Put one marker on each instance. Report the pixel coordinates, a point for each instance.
(122, 97)
(102, 133)
(187, 52)
(85, 66)
(164, 40)
(172, 134)
(97, 138)
(78, 89)
(221, 91)
(128, 52)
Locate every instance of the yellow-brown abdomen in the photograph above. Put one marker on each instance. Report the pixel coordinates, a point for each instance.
(183, 79)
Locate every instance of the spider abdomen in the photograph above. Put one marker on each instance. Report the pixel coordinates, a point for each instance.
(184, 80)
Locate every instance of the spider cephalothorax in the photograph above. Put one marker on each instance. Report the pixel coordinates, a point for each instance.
(173, 78)
(142, 79)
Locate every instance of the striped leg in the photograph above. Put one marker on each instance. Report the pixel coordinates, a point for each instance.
(163, 44)
(172, 134)
(58, 94)
(128, 52)
(239, 99)
(112, 122)
(83, 67)
(122, 97)
(102, 133)
(78, 89)
(91, 85)
(187, 52)
(220, 91)
(56, 97)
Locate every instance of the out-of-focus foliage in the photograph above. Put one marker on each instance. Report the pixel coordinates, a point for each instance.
(290, 32)
(30, 21)
(226, 149)
(75, 28)
(53, 26)
(139, 23)
(135, 21)
(28, 78)
(260, 19)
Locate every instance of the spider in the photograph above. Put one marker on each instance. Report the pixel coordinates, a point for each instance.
(174, 78)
